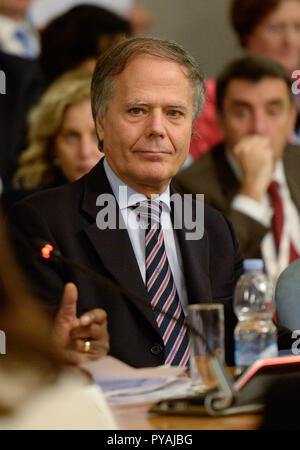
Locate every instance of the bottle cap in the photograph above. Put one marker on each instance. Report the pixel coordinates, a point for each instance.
(253, 264)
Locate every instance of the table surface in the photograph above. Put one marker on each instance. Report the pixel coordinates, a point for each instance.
(138, 417)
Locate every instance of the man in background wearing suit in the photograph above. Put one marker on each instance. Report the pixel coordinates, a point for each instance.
(17, 36)
(145, 95)
(23, 87)
(253, 176)
(19, 49)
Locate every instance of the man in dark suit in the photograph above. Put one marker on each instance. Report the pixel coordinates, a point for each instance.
(257, 114)
(23, 87)
(145, 95)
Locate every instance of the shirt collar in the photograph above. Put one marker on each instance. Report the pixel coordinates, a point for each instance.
(126, 196)
(9, 26)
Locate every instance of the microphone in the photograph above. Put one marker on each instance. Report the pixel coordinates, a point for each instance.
(47, 251)
(217, 401)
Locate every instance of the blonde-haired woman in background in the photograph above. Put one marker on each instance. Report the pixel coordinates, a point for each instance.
(62, 138)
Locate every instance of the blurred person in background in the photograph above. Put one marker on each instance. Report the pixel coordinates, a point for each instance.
(269, 28)
(253, 175)
(38, 390)
(19, 48)
(23, 87)
(62, 138)
(42, 12)
(77, 38)
(71, 41)
(17, 36)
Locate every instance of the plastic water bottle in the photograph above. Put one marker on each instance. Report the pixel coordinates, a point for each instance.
(255, 334)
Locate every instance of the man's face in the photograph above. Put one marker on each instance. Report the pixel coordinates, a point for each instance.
(148, 123)
(263, 108)
(14, 8)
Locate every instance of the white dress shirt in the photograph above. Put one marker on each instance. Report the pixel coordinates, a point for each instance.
(126, 199)
(10, 44)
(262, 212)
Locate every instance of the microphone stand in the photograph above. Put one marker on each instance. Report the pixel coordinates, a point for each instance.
(217, 402)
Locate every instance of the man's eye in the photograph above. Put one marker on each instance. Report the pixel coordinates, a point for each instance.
(135, 111)
(240, 113)
(273, 111)
(174, 113)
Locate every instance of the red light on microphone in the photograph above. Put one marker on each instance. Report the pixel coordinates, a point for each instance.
(46, 251)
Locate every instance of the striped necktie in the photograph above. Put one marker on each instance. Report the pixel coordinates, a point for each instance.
(161, 287)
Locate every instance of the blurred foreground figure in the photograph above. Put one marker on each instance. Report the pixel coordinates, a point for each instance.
(38, 390)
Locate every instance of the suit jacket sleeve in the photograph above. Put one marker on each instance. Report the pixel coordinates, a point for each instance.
(245, 228)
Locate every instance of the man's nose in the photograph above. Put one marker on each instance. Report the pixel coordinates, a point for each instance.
(258, 125)
(156, 124)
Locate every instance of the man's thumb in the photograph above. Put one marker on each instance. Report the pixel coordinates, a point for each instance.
(67, 310)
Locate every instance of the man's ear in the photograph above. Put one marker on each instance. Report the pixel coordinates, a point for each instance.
(99, 128)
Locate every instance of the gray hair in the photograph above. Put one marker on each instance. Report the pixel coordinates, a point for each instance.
(114, 61)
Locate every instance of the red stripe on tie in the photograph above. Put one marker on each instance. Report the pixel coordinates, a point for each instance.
(155, 249)
(175, 348)
(172, 324)
(166, 306)
(162, 289)
(148, 238)
(156, 272)
(186, 356)
(155, 299)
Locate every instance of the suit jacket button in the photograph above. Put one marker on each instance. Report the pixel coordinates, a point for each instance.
(156, 349)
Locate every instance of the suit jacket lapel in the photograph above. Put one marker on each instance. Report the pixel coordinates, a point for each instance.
(196, 274)
(113, 246)
(228, 180)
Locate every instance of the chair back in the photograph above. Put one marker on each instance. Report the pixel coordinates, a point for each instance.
(287, 297)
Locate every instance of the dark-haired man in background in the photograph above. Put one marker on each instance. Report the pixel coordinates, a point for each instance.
(253, 176)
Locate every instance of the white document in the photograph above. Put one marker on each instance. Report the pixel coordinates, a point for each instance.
(123, 384)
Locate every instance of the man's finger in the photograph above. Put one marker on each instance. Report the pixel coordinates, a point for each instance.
(94, 316)
(67, 310)
(97, 347)
(94, 331)
(66, 316)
